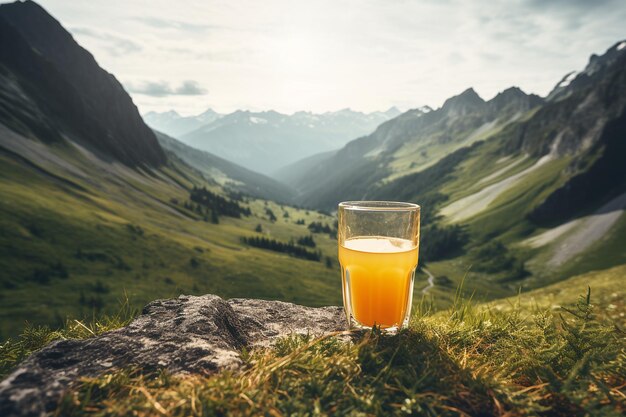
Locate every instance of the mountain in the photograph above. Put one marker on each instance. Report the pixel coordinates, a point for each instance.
(173, 124)
(575, 81)
(51, 83)
(93, 210)
(522, 190)
(226, 173)
(408, 143)
(267, 141)
(293, 173)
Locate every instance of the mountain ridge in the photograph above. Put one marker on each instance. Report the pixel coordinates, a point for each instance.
(226, 173)
(97, 95)
(267, 140)
(414, 131)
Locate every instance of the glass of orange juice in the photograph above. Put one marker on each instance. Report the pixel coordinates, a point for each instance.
(378, 249)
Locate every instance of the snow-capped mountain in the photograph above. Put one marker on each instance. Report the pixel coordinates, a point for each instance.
(173, 124)
(266, 141)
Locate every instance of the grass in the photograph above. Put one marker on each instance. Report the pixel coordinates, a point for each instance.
(34, 337)
(468, 360)
(607, 287)
(505, 220)
(123, 233)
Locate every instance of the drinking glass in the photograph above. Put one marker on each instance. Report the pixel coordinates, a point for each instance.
(378, 251)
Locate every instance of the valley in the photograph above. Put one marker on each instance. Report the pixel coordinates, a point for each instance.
(90, 222)
(518, 192)
(76, 246)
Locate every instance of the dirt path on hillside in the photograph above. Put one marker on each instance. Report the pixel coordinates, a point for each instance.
(431, 281)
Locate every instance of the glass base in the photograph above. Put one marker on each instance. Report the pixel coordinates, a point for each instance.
(353, 324)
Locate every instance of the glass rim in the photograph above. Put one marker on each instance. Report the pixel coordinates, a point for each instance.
(379, 205)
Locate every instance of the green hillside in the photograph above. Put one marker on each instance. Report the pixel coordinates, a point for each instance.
(606, 289)
(226, 173)
(72, 246)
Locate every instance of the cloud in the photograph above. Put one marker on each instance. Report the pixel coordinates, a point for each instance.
(323, 54)
(190, 88)
(174, 24)
(573, 4)
(163, 88)
(115, 45)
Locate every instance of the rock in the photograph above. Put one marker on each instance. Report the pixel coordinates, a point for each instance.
(184, 335)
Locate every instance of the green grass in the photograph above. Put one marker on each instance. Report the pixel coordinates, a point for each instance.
(478, 285)
(138, 242)
(607, 291)
(554, 351)
(467, 360)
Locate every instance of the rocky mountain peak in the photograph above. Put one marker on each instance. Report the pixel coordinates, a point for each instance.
(573, 81)
(513, 100)
(598, 62)
(466, 102)
(393, 112)
(512, 93)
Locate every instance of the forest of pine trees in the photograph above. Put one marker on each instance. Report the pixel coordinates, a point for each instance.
(306, 241)
(319, 227)
(211, 205)
(290, 248)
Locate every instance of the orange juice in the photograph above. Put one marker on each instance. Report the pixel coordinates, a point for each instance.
(378, 279)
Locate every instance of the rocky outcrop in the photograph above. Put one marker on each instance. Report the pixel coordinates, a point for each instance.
(185, 335)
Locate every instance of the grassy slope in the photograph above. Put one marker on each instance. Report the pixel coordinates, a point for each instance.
(227, 173)
(45, 222)
(606, 290)
(505, 220)
(416, 156)
(513, 357)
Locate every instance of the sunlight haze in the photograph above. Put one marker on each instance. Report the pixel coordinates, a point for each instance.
(324, 56)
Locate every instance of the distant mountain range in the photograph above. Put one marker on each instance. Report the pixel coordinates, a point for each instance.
(409, 143)
(267, 141)
(227, 174)
(569, 122)
(173, 124)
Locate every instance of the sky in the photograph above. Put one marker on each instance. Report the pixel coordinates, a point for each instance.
(368, 55)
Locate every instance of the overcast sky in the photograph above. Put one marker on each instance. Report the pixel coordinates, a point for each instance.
(326, 55)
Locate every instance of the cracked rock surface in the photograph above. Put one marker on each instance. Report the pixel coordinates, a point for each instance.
(188, 334)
